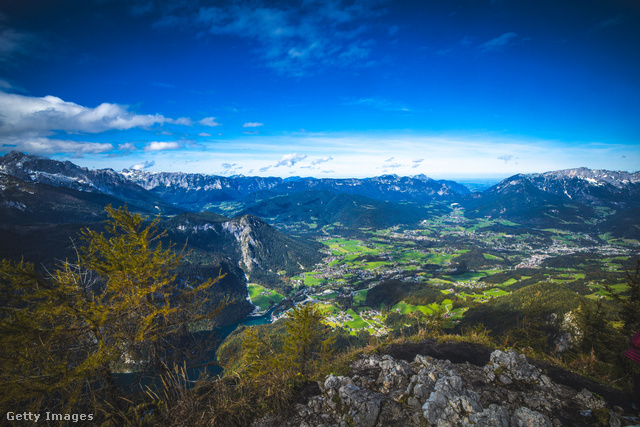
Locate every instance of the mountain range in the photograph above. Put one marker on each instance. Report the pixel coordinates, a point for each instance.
(44, 203)
(571, 198)
(196, 191)
(560, 196)
(567, 197)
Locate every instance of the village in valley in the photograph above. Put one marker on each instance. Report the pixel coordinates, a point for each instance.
(468, 261)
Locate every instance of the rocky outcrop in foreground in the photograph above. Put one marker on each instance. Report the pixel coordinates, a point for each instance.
(506, 391)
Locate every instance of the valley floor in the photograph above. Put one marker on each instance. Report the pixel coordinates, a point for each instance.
(468, 261)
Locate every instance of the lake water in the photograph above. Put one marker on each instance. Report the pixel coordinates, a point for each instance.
(217, 336)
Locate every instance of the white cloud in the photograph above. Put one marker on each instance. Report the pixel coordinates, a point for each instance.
(144, 165)
(507, 158)
(290, 159)
(357, 154)
(30, 124)
(209, 121)
(230, 169)
(185, 121)
(252, 125)
(322, 160)
(161, 146)
(204, 134)
(33, 116)
(42, 145)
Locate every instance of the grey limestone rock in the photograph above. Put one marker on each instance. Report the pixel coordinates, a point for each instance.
(493, 416)
(383, 391)
(525, 417)
(364, 405)
(510, 366)
(450, 403)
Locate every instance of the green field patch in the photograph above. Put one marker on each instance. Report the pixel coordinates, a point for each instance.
(440, 282)
(410, 256)
(555, 230)
(495, 292)
(263, 297)
(445, 307)
(509, 282)
(408, 308)
(360, 297)
(482, 224)
(331, 295)
(617, 288)
(489, 256)
(311, 280)
(437, 258)
(374, 264)
(341, 242)
(350, 258)
(465, 294)
(465, 276)
(328, 308)
(339, 249)
(357, 322)
(571, 276)
(458, 313)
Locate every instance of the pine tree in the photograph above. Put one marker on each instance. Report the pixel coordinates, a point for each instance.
(304, 343)
(120, 306)
(597, 336)
(629, 303)
(307, 343)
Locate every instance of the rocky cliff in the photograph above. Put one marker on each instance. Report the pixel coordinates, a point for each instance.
(488, 389)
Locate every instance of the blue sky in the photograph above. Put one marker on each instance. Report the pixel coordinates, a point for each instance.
(450, 89)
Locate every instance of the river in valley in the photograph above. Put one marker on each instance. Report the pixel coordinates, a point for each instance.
(215, 337)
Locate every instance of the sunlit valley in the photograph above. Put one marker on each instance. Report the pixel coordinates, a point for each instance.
(377, 259)
(353, 213)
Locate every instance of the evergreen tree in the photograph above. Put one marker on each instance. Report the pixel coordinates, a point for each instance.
(629, 303)
(304, 342)
(119, 307)
(598, 337)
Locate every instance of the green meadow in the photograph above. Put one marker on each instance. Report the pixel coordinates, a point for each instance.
(263, 297)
